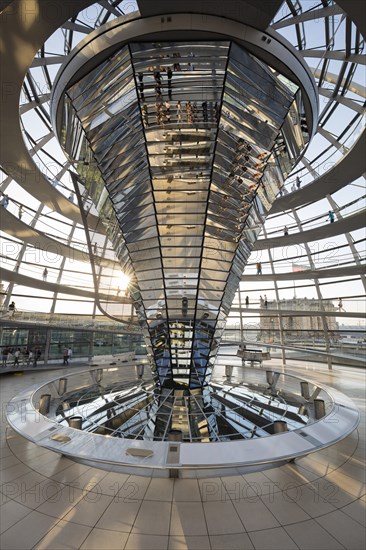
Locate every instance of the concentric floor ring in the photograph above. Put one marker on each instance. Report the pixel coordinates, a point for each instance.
(256, 448)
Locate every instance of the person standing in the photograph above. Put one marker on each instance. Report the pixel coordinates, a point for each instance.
(5, 355)
(265, 301)
(246, 301)
(20, 212)
(331, 216)
(179, 111)
(285, 230)
(12, 308)
(30, 358)
(145, 115)
(36, 357)
(4, 201)
(259, 268)
(16, 357)
(140, 76)
(66, 356)
(69, 354)
(45, 273)
(169, 73)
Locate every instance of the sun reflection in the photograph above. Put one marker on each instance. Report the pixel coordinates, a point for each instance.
(121, 283)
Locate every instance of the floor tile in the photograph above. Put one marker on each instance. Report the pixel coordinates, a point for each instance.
(240, 541)
(119, 516)
(153, 518)
(309, 535)
(347, 531)
(110, 484)
(134, 488)
(282, 478)
(13, 472)
(236, 487)
(71, 473)
(186, 490)
(102, 538)
(354, 469)
(357, 511)
(284, 509)
(90, 480)
(296, 468)
(178, 542)
(89, 509)
(187, 518)
(160, 489)
(221, 518)
(308, 498)
(212, 489)
(330, 493)
(146, 542)
(346, 483)
(10, 513)
(9, 461)
(27, 532)
(255, 515)
(65, 536)
(34, 489)
(51, 468)
(61, 502)
(272, 539)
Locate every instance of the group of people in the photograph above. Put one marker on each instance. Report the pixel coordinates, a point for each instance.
(4, 202)
(294, 187)
(15, 357)
(67, 355)
(179, 112)
(297, 185)
(157, 73)
(27, 356)
(167, 111)
(262, 301)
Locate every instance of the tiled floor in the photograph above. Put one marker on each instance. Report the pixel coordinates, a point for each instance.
(317, 502)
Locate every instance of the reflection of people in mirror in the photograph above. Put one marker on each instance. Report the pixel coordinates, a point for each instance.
(12, 308)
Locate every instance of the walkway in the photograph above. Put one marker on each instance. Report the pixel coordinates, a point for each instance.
(317, 502)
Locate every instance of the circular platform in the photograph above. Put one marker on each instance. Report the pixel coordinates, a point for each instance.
(269, 417)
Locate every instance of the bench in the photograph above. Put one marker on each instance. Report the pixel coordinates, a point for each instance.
(116, 359)
(253, 355)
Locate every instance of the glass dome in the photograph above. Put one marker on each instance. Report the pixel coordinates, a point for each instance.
(309, 295)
